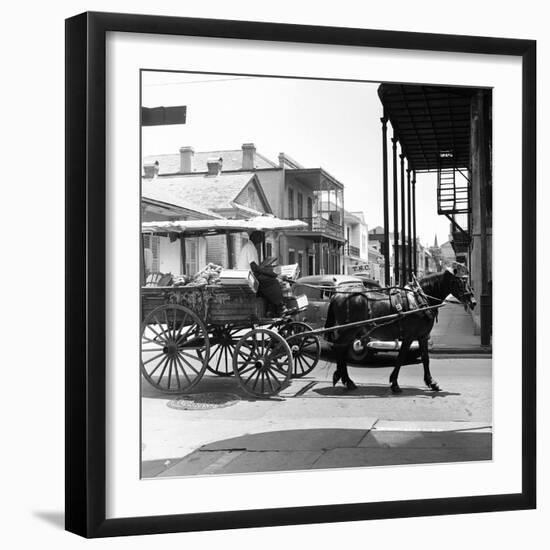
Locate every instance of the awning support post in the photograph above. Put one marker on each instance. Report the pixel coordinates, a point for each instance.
(229, 245)
(479, 184)
(409, 223)
(403, 228)
(387, 256)
(415, 252)
(395, 215)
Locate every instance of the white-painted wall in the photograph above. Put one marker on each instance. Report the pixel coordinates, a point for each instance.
(169, 256)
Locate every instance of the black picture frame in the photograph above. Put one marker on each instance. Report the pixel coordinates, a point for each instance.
(86, 262)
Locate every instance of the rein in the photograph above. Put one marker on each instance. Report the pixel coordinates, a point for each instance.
(365, 292)
(391, 318)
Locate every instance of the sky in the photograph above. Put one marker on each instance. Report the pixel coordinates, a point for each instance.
(319, 123)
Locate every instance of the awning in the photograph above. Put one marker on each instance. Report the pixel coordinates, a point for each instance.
(216, 227)
(432, 123)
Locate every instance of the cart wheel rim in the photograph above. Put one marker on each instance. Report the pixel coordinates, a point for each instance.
(262, 363)
(174, 348)
(306, 350)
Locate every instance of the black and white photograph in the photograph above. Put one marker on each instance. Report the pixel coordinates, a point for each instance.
(275, 274)
(316, 274)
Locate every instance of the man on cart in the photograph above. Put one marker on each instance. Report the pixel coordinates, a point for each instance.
(268, 282)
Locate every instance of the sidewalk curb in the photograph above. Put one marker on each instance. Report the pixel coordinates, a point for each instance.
(485, 351)
(432, 426)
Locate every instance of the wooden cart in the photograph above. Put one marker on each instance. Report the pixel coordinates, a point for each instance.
(189, 330)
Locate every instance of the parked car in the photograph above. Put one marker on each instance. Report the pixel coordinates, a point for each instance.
(368, 283)
(320, 288)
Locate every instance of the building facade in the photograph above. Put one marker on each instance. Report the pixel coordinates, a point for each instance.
(210, 194)
(356, 248)
(290, 191)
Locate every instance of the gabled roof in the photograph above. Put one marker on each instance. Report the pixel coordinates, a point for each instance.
(232, 160)
(203, 191)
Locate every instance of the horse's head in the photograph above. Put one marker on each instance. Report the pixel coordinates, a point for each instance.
(460, 288)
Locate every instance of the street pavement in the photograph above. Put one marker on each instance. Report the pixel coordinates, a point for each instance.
(313, 425)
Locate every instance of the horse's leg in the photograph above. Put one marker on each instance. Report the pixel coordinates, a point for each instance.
(337, 375)
(346, 380)
(428, 380)
(341, 372)
(401, 356)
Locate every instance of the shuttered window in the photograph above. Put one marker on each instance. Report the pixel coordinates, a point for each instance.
(216, 250)
(151, 250)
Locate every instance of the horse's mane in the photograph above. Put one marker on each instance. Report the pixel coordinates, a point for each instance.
(432, 284)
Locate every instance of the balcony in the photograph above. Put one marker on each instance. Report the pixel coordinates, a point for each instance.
(460, 242)
(321, 226)
(351, 250)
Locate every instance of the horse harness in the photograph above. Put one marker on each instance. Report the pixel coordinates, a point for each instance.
(401, 299)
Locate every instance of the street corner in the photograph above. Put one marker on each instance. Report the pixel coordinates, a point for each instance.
(382, 443)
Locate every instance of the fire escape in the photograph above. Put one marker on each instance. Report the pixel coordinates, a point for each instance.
(454, 201)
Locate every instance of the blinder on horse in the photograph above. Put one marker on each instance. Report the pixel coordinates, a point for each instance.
(463, 292)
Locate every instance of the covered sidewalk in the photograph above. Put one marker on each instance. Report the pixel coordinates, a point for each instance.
(448, 131)
(454, 332)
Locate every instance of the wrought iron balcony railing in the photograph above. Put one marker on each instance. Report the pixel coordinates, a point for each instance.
(322, 225)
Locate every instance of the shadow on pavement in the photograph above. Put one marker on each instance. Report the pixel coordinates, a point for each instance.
(306, 449)
(208, 384)
(373, 390)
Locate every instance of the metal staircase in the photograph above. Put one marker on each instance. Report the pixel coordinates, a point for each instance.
(453, 201)
(451, 197)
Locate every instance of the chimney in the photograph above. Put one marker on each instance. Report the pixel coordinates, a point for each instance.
(186, 159)
(249, 151)
(151, 169)
(214, 166)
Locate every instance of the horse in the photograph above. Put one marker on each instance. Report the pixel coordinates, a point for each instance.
(351, 307)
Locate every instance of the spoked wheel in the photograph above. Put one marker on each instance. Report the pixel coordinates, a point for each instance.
(262, 362)
(174, 348)
(223, 340)
(306, 350)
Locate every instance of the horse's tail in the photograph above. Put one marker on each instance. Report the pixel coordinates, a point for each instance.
(330, 321)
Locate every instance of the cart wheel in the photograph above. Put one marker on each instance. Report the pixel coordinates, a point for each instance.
(262, 362)
(174, 348)
(223, 340)
(306, 350)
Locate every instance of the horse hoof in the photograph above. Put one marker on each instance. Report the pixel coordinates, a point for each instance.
(336, 378)
(350, 385)
(435, 387)
(395, 388)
